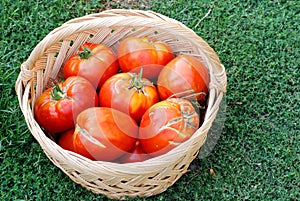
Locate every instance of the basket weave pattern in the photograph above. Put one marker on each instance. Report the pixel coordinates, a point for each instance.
(44, 67)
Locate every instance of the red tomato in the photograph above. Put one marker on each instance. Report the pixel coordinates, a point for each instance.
(166, 124)
(129, 93)
(104, 133)
(95, 62)
(152, 55)
(56, 108)
(184, 74)
(66, 140)
(136, 154)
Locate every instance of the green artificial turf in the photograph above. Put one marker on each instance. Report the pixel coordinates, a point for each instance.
(257, 155)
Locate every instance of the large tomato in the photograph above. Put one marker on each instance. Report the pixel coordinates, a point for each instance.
(95, 62)
(166, 124)
(135, 154)
(103, 133)
(129, 93)
(183, 75)
(57, 107)
(66, 140)
(150, 54)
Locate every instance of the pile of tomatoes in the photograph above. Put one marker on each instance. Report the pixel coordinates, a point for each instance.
(126, 106)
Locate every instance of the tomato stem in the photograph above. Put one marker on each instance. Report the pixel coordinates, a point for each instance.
(137, 81)
(188, 115)
(197, 105)
(85, 53)
(56, 92)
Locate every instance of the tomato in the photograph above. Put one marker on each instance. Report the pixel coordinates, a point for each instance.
(135, 154)
(103, 133)
(66, 140)
(185, 74)
(152, 55)
(95, 62)
(57, 107)
(129, 93)
(166, 124)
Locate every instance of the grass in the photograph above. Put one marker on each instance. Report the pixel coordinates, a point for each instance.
(257, 155)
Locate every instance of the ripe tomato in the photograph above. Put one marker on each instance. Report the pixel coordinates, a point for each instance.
(135, 154)
(103, 133)
(152, 55)
(166, 124)
(95, 62)
(66, 140)
(57, 107)
(184, 74)
(129, 93)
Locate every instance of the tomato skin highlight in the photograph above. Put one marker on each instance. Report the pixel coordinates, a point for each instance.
(66, 140)
(166, 124)
(129, 93)
(75, 94)
(184, 73)
(104, 133)
(151, 55)
(95, 62)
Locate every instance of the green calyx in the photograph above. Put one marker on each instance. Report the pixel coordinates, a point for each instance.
(137, 82)
(85, 53)
(57, 93)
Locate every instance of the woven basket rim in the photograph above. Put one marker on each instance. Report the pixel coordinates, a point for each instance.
(114, 18)
(57, 34)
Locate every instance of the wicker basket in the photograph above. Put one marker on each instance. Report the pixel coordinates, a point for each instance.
(43, 67)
